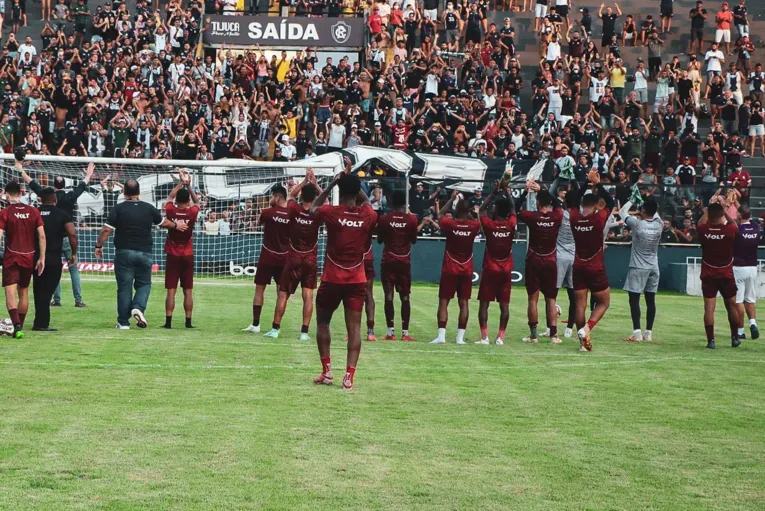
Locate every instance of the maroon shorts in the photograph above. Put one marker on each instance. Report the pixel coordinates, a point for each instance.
(709, 287)
(450, 284)
(495, 286)
(331, 295)
(15, 274)
(594, 280)
(298, 271)
(179, 268)
(369, 269)
(542, 275)
(397, 274)
(265, 272)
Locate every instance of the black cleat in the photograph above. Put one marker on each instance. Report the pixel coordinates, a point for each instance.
(55, 304)
(742, 336)
(167, 326)
(190, 326)
(44, 329)
(711, 345)
(754, 331)
(735, 343)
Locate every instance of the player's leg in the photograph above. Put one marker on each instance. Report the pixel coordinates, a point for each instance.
(483, 321)
(257, 307)
(188, 305)
(637, 333)
(581, 311)
(709, 319)
(462, 320)
(406, 315)
(281, 306)
(42, 310)
(369, 309)
(504, 319)
(353, 301)
(602, 303)
(12, 303)
(442, 317)
(327, 301)
(532, 313)
(169, 306)
(732, 310)
(751, 312)
(307, 293)
(750, 299)
(487, 293)
(551, 307)
(23, 303)
(390, 312)
(571, 312)
(650, 315)
(142, 284)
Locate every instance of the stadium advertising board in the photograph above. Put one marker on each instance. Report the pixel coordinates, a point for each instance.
(284, 32)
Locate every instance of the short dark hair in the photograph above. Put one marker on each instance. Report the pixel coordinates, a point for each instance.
(59, 182)
(398, 199)
(461, 208)
(745, 213)
(715, 211)
(183, 196)
(349, 185)
(590, 200)
(279, 190)
(544, 198)
(48, 194)
(132, 188)
(650, 207)
(309, 192)
(13, 188)
(502, 207)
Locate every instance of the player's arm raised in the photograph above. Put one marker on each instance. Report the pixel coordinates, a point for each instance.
(482, 210)
(322, 198)
(448, 205)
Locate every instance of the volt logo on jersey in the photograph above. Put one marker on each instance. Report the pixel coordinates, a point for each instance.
(501, 234)
(397, 225)
(714, 236)
(22, 216)
(303, 221)
(281, 220)
(585, 228)
(463, 233)
(351, 223)
(545, 224)
(749, 236)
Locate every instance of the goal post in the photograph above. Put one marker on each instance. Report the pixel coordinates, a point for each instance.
(232, 192)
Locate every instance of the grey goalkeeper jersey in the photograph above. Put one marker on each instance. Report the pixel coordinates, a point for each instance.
(646, 235)
(565, 244)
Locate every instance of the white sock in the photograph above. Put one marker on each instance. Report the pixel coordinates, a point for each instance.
(648, 332)
(740, 331)
(391, 331)
(637, 333)
(405, 332)
(752, 322)
(460, 334)
(442, 334)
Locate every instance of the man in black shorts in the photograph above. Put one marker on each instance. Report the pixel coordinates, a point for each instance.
(698, 16)
(666, 16)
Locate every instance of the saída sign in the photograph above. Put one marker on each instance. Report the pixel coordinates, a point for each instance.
(284, 32)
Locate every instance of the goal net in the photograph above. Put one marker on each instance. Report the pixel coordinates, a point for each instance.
(227, 240)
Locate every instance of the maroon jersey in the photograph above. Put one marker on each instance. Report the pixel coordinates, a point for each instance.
(348, 229)
(498, 255)
(180, 243)
(543, 232)
(20, 223)
(588, 238)
(400, 136)
(397, 231)
(276, 235)
(717, 241)
(460, 235)
(304, 231)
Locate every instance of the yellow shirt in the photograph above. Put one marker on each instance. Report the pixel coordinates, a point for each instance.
(281, 71)
(291, 126)
(618, 77)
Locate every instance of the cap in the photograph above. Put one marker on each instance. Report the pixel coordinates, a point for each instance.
(420, 183)
(585, 10)
(354, 126)
(477, 188)
(377, 124)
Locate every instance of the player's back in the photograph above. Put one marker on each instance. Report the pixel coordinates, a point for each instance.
(20, 222)
(588, 236)
(565, 240)
(717, 242)
(746, 244)
(276, 234)
(460, 235)
(543, 227)
(499, 234)
(180, 243)
(398, 231)
(304, 230)
(348, 229)
(646, 236)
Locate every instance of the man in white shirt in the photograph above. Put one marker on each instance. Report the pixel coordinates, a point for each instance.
(714, 59)
(288, 150)
(27, 47)
(641, 83)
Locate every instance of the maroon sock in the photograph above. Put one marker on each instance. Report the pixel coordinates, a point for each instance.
(14, 314)
(389, 313)
(406, 313)
(733, 331)
(22, 317)
(462, 325)
(441, 324)
(710, 329)
(256, 314)
(553, 331)
(304, 329)
(591, 324)
(326, 365)
(275, 326)
(370, 324)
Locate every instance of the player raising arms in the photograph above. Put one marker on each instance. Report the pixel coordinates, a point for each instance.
(643, 273)
(589, 270)
(541, 259)
(717, 239)
(302, 257)
(20, 223)
(275, 220)
(496, 277)
(397, 231)
(343, 281)
(745, 271)
(181, 207)
(457, 268)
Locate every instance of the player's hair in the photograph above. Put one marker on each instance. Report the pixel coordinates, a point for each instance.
(398, 199)
(715, 211)
(502, 207)
(308, 193)
(48, 195)
(183, 196)
(650, 207)
(461, 209)
(590, 200)
(544, 198)
(279, 190)
(349, 185)
(13, 188)
(132, 188)
(745, 213)
(59, 182)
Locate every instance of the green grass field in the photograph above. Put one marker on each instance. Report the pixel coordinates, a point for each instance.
(93, 418)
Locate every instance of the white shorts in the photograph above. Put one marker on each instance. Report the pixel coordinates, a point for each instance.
(564, 119)
(642, 95)
(540, 11)
(433, 13)
(555, 110)
(757, 130)
(642, 281)
(746, 283)
(722, 35)
(565, 273)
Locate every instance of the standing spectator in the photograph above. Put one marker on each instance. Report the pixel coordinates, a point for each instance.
(609, 23)
(698, 16)
(724, 19)
(741, 181)
(686, 177)
(667, 11)
(740, 19)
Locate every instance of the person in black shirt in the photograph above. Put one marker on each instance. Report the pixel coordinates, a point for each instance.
(57, 225)
(698, 14)
(609, 22)
(133, 220)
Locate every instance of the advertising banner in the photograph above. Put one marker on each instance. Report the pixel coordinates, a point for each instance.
(284, 32)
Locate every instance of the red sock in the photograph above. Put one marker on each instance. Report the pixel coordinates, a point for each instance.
(22, 317)
(501, 333)
(14, 314)
(326, 365)
(591, 324)
(256, 314)
(484, 332)
(349, 373)
(710, 329)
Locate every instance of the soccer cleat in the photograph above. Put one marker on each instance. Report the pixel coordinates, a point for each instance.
(54, 303)
(648, 336)
(305, 337)
(735, 343)
(80, 305)
(252, 329)
(140, 319)
(498, 341)
(18, 334)
(324, 379)
(558, 310)
(530, 340)
(122, 327)
(633, 338)
(408, 338)
(583, 349)
(584, 340)
(546, 333)
(568, 333)
(461, 342)
(754, 331)
(371, 338)
(273, 333)
(438, 341)
(347, 383)
(483, 341)
(389, 338)
(711, 345)
(555, 340)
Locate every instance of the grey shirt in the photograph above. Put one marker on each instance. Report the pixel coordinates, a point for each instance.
(646, 235)
(565, 243)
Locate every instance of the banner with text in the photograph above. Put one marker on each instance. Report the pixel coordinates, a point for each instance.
(284, 32)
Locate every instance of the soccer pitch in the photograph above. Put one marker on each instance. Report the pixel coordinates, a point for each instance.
(94, 418)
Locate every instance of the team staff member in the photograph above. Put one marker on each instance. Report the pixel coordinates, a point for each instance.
(133, 220)
(58, 226)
